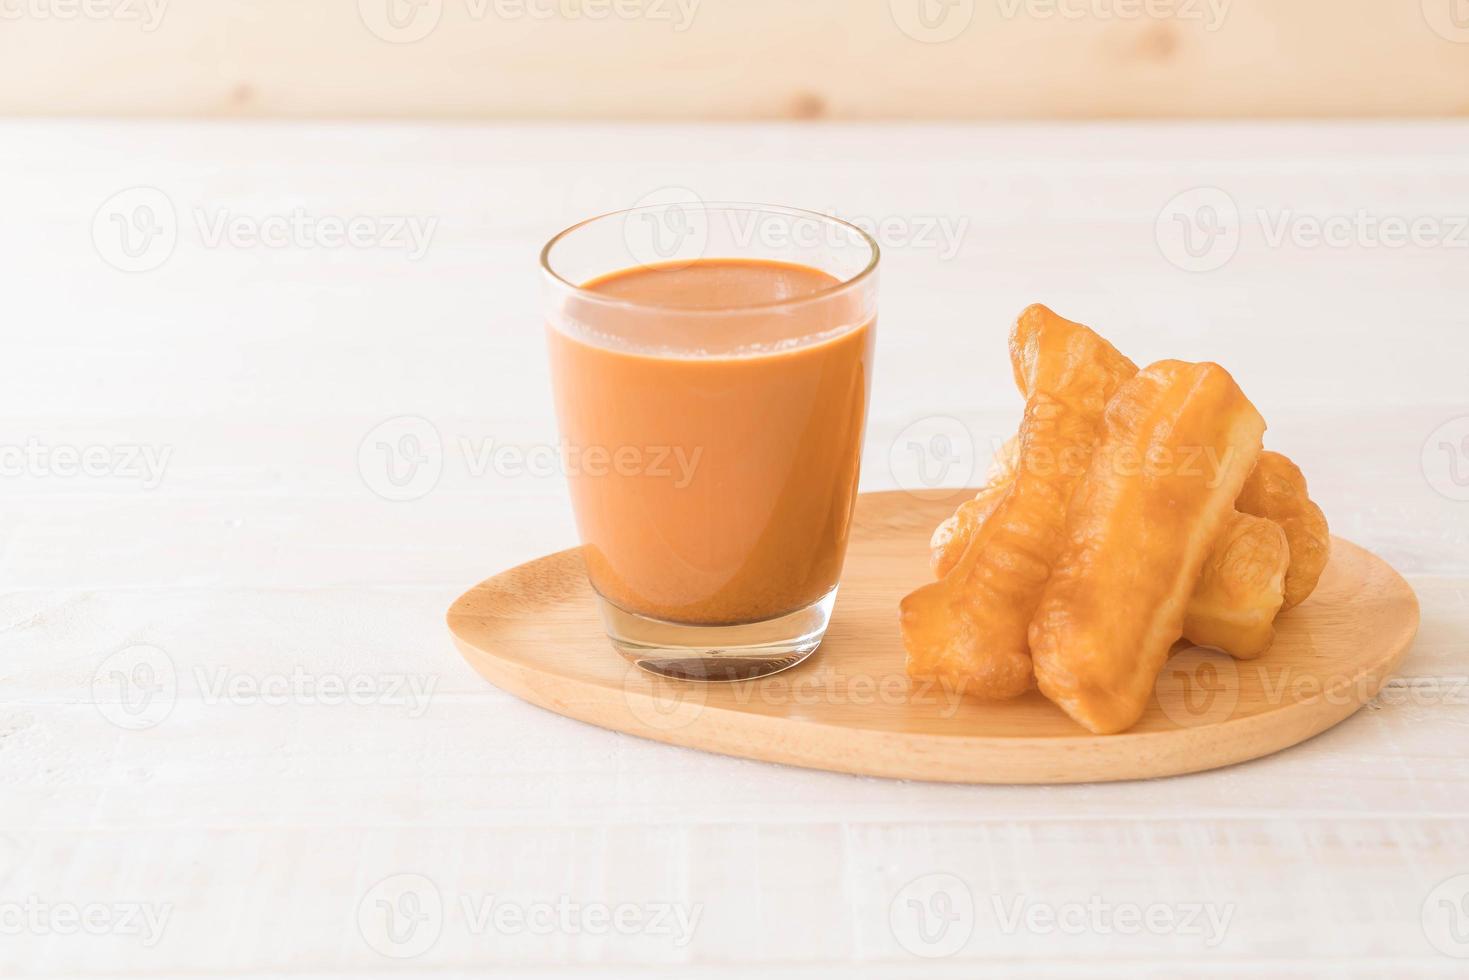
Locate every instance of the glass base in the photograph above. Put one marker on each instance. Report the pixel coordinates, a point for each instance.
(718, 653)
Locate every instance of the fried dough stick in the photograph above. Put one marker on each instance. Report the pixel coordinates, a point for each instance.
(1233, 606)
(1238, 595)
(951, 537)
(1277, 490)
(1138, 531)
(969, 628)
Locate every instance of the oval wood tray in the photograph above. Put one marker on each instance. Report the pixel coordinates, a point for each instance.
(534, 631)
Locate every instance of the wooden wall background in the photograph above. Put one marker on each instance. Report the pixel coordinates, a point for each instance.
(735, 59)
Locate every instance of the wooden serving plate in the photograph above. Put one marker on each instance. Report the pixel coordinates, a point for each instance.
(534, 631)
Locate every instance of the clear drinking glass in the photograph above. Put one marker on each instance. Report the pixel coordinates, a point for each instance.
(712, 366)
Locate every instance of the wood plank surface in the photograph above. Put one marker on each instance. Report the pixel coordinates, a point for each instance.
(268, 568)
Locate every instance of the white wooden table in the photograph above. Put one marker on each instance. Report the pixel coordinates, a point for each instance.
(233, 727)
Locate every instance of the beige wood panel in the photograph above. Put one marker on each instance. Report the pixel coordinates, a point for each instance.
(723, 59)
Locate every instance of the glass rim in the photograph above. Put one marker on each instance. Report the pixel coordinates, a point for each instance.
(588, 295)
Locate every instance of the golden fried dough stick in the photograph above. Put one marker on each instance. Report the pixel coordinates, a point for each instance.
(1178, 442)
(1277, 490)
(952, 536)
(968, 629)
(1241, 590)
(1002, 467)
(1228, 608)
(1233, 606)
